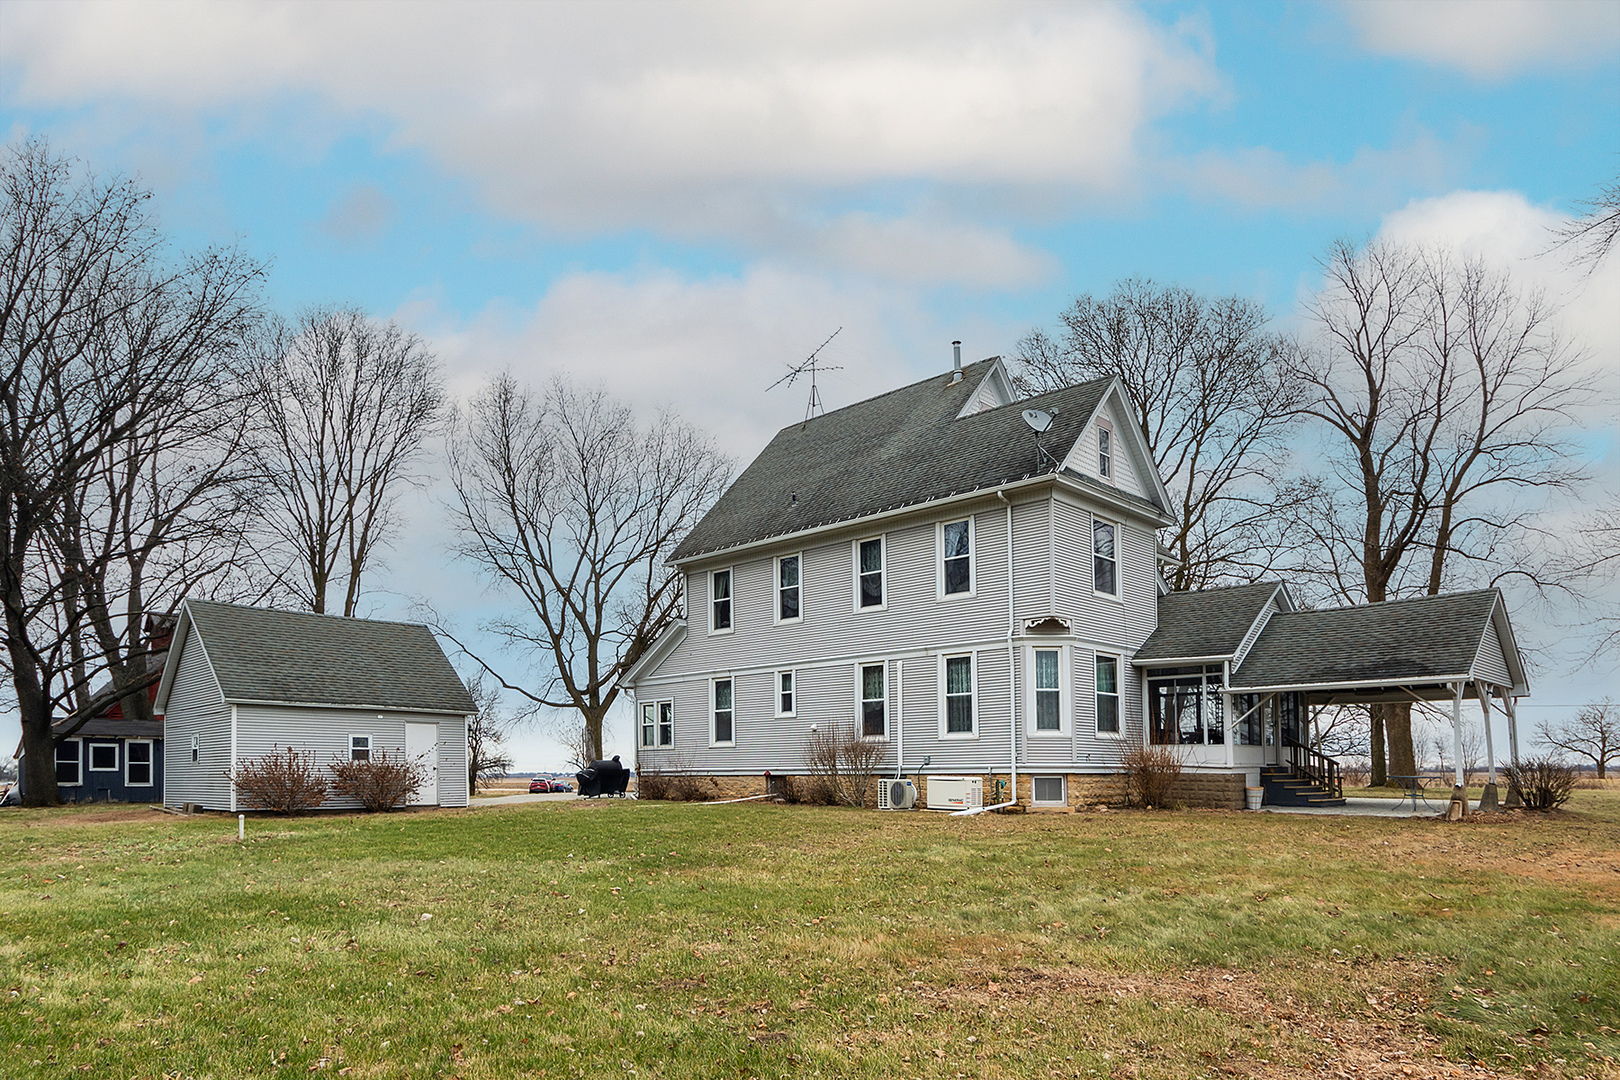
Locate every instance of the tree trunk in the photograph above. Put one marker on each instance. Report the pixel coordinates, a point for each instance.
(1398, 734)
(1375, 739)
(593, 731)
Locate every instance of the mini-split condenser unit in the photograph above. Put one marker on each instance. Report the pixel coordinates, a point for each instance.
(896, 795)
(955, 792)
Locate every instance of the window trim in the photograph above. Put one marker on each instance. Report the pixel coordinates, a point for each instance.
(150, 763)
(776, 692)
(714, 711)
(939, 560)
(1065, 693)
(861, 699)
(1118, 695)
(78, 761)
(1119, 580)
(650, 736)
(730, 600)
(1105, 459)
(972, 656)
(669, 704)
(1063, 790)
(90, 756)
(882, 571)
(778, 587)
(354, 746)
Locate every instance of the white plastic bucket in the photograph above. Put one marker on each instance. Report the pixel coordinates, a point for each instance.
(1254, 796)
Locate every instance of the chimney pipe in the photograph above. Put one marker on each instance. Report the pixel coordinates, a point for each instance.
(956, 367)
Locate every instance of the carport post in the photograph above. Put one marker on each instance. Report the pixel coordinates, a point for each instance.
(1490, 743)
(1456, 728)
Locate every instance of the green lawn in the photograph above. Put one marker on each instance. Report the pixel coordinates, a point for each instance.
(649, 940)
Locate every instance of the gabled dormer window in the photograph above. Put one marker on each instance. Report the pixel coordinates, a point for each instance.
(720, 602)
(1105, 452)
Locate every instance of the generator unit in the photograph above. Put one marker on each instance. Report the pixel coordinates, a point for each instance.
(894, 794)
(955, 792)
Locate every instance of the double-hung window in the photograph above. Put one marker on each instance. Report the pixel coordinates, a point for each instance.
(874, 701)
(196, 747)
(657, 723)
(720, 602)
(1048, 691)
(786, 693)
(956, 558)
(787, 588)
(958, 710)
(1105, 557)
(67, 763)
(359, 747)
(869, 573)
(1107, 695)
(1105, 452)
(723, 732)
(138, 763)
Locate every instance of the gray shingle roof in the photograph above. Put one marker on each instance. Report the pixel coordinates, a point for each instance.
(1205, 624)
(898, 449)
(296, 657)
(1423, 638)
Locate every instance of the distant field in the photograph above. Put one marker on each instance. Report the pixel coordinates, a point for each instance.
(646, 940)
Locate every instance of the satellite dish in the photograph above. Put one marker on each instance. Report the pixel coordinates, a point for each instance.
(1037, 420)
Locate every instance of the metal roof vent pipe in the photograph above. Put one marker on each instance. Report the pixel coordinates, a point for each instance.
(956, 366)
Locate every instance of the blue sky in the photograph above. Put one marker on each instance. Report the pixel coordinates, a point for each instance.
(678, 200)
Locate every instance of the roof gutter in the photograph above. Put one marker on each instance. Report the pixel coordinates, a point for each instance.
(1360, 684)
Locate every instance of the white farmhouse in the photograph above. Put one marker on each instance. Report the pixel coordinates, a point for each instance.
(986, 604)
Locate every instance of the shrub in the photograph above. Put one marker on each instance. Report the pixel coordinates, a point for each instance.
(674, 784)
(1543, 783)
(1151, 773)
(286, 782)
(381, 782)
(843, 765)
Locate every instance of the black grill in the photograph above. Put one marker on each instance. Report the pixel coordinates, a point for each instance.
(603, 778)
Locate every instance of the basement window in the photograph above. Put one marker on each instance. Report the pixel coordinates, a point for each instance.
(1048, 791)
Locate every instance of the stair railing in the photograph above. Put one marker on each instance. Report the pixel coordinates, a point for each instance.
(1317, 767)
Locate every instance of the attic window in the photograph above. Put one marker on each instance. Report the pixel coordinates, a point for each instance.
(1105, 452)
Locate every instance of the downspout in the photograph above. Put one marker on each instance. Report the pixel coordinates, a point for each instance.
(1012, 681)
(899, 718)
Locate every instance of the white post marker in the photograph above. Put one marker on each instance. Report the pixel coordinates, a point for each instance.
(241, 826)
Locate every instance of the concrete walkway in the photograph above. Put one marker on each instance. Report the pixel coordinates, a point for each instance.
(521, 797)
(1390, 808)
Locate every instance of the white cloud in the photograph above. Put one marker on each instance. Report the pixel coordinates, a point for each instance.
(1507, 231)
(696, 119)
(1259, 177)
(1489, 38)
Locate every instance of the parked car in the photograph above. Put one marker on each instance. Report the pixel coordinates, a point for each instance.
(539, 785)
(561, 785)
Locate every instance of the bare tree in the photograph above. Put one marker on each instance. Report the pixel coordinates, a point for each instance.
(346, 404)
(1592, 235)
(486, 735)
(570, 506)
(1207, 381)
(1444, 396)
(115, 362)
(1593, 734)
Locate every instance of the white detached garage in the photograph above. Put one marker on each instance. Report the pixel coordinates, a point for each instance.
(242, 682)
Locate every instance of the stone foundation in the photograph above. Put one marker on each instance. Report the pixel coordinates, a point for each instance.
(1222, 791)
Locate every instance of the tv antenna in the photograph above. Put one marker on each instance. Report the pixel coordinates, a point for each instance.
(1039, 422)
(810, 364)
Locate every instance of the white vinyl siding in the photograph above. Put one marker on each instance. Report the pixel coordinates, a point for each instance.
(326, 734)
(196, 733)
(1489, 664)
